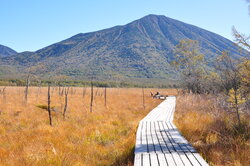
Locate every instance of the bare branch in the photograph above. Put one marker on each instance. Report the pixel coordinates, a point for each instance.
(241, 39)
(66, 92)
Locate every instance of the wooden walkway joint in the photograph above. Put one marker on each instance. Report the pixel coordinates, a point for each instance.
(159, 143)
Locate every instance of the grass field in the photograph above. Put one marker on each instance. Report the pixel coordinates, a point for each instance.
(104, 137)
(212, 130)
(107, 135)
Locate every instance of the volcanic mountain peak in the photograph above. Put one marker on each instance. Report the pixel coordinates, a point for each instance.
(138, 50)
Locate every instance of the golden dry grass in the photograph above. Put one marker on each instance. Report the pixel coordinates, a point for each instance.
(212, 131)
(104, 137)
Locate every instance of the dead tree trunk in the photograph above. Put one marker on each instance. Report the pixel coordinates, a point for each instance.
(105, 96)
(71, 91)
(38, 89)
(91, 97)
(83, 92)
(96, 92)
(143, 99)
(62, 91)
(49, 110)
(2, 92)
(27, 89)
(237, 105)
(59, 90)
(66, 101)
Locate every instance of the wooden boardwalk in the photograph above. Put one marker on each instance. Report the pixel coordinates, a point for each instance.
(159, 143)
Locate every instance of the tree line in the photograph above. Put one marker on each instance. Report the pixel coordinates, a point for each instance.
(227, 75)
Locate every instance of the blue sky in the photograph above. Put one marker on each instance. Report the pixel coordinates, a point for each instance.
(28, 25)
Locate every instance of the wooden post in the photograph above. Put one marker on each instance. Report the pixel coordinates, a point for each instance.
(3, 93)
(59, 90)
(83, 92)
(49, 110)
(62, 91)
(92, 97)
(143, 99)
(105, 96)
(26, 89)
(66, 102)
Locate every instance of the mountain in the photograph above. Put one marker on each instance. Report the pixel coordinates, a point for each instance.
(140, 50)
(6, 51)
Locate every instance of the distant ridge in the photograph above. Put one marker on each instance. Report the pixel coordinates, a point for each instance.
(140, 50)
(6, 51)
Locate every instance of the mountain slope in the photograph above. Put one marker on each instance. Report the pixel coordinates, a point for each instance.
(6, 51)
(141, 49)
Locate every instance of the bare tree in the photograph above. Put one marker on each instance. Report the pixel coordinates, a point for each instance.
(83, 91)
(241, 39)
(38, 89)
(48, 108)
(105, 96)
(96, 92)
(66, 101)
(189, 64)
(91, 96)
(60, 79)
(71, 91)
(27, 88)
(2, 92)
(61, 94)
(59, 90)
(143, 99)
(231, 79)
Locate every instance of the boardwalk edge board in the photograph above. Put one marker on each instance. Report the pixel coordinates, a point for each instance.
(159, 143)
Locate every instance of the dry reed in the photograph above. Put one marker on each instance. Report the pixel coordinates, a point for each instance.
(104, 137)
(213, 131)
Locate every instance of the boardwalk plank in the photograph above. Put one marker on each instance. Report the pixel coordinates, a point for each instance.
(200, 159)
(162, 159)
(145, 159)
(193, 159)
(138, 138)
(172, 148)
(177, 159)
(161, 138)
(144, 145)
(159, 143)
(149, 138)
(154, 159)
(170, 159)
(178, 140)
(190, 152)
(138, 159)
